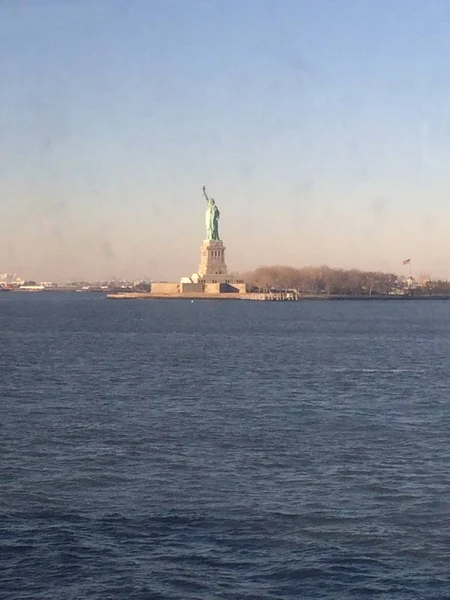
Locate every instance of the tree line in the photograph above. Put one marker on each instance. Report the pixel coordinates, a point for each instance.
(346, 282)
(321, 280)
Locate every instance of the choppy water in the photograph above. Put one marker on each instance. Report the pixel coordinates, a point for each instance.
(177, 450)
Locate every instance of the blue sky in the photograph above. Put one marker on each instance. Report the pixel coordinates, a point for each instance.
(321, 127)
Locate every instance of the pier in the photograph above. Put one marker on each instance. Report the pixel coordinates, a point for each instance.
(285, 296)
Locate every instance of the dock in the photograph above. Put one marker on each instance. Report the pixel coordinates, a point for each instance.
(289, 296)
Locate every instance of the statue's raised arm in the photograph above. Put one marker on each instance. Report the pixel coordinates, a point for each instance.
(204, 193)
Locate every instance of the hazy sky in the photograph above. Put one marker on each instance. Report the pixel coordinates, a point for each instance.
(321, 127)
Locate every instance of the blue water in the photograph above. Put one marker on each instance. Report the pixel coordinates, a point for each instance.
(235, 450)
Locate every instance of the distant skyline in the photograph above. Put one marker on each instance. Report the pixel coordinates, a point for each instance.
(321, 128)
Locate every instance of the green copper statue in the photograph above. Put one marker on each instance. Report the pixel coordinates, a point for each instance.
(212, 218)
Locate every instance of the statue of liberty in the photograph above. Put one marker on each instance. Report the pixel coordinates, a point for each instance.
(212, 218)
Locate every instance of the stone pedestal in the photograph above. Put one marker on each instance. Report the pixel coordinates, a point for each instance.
(213, 268)
(212, 276)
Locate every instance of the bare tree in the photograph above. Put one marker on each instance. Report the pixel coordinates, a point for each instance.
(321, 280)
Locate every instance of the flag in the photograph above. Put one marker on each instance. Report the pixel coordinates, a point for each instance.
(407, 261)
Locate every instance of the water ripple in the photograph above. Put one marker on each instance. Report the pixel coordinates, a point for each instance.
(160, 450)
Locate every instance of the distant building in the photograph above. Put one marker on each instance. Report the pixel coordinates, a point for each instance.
(411, 283)
(32, 288)
(48, 284)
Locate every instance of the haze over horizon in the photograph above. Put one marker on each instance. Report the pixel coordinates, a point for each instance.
(321, 128)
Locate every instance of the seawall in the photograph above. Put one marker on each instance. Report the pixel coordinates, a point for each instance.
(263, 297)
(185, 296)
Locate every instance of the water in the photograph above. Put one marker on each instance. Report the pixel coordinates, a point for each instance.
(223, 450)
